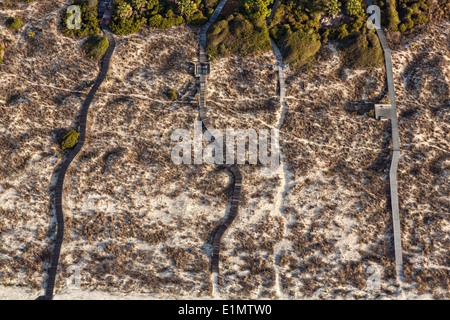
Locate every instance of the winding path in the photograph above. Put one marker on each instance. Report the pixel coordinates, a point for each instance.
(82, 118)
(233, 168)
(395, 155)
(283, 107)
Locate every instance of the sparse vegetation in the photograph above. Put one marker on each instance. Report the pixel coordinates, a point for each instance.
(2, 52)
(172, 94)
(122, 184)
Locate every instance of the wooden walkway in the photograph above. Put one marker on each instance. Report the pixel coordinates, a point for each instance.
(207, 124)
(395, 155)
(82, 118)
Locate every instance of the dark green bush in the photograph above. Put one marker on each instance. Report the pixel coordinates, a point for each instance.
(159, 21)
(238, 35)
(13, 23)
(340, 32)
(126, 26)
(198, 19)
(96, 46)
(299, 48)
(131, 23)
(69, 140)
(393, 19)
(362, 51)
(278, 32)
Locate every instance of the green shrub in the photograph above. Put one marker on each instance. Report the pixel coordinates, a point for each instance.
(211, 3)
(353, 7)
(172, 94)
(187, 8)
(96, 46)
(362, 51)
(198, 19)
(403, 27)
(357, 25)
(126, 26)
(89, 20)
(125, 20)
(299, 48)
(238, 35)
(159, 21)
(278, 32)
(393, 19)
(333, 7)
(123, 10)
(256, 8)
(69, 140)
(419, 18)
(13, 23)
(339, 33)
(325, 35)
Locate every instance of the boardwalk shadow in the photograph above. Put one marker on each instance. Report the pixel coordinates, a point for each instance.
(51, 233)
(57, 179)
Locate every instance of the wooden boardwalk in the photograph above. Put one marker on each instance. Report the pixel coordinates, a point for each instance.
(237, 184)
(82, 118)
(395, 155)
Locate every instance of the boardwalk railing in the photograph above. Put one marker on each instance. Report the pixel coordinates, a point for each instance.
(395, 155)
(233, 168)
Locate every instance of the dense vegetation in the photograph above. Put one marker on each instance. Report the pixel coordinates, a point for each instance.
(299, 27)
(89, 19)
(244, 31)
(362, 50)
(129, 15)
(95, 46)
(238, 34)
(300, 47)
(403, 15)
